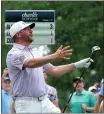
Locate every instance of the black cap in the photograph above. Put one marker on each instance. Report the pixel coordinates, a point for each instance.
(78, 79)
(32, 25)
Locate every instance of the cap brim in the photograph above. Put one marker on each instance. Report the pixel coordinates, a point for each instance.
(6, 80)
(75, 80)
(32, 25)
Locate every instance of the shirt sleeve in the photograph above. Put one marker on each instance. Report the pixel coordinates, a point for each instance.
(92, 100)
(17, 60)
(102, 90)
(56, 95)
(46, 66)
(52, 95)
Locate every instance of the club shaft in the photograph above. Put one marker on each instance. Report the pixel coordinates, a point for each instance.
(84, 69)
(74, 90)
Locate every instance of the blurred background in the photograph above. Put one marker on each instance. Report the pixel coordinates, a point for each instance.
(78, 24)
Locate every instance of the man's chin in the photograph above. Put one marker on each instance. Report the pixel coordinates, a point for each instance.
(78, 88)
(31, 40)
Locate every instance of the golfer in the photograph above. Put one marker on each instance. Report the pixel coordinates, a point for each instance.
(26, 68)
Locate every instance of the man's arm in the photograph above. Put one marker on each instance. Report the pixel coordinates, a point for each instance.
(99, 100)
(55, 102)
(101, 109)
(60, 54)
(87, 109)
(60, 70)
(90, 109)
(63, 69)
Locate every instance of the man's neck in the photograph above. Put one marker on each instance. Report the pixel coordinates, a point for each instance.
(78, 91)
(6, 91)
(23, 43)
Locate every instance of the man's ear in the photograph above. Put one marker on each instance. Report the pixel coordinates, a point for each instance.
(18, 35)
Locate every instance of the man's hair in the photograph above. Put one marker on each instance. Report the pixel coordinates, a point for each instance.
(14, 39)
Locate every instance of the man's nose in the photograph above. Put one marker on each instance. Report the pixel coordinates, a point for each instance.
(31, 31)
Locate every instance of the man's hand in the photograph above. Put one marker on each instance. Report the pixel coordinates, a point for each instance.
(84, 107)
(83, 63)
(62, 53)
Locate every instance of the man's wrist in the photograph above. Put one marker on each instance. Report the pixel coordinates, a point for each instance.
(77, 65)
(88, 109)
(53, 57)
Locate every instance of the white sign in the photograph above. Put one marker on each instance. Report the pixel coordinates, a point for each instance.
(44, 30)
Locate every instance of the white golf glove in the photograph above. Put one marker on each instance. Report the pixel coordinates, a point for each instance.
(83, 63)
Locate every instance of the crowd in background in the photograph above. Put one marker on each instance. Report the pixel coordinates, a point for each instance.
(91, 100)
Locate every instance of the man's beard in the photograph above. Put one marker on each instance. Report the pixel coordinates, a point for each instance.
(79, 90)
(29, 39)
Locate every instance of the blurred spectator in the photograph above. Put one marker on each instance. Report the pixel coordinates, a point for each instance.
(98, 86)
(100, 99)
(6, 97)
(82, 101)
(101, 110)
(5, 72)
(102, 81)
(93, 89)
(52, 93)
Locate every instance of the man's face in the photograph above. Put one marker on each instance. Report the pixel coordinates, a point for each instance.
(6, 85)
(80, 85)
(26, 34)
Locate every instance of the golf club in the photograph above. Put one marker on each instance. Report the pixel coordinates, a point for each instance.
(94, 49)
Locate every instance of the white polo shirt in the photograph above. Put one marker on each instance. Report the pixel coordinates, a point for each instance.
(28, 82)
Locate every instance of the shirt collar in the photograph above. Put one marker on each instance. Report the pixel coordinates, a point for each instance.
(83, 91)
(4, 91)
(21, 47)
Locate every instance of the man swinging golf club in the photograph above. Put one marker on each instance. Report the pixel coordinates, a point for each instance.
(26, 68)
